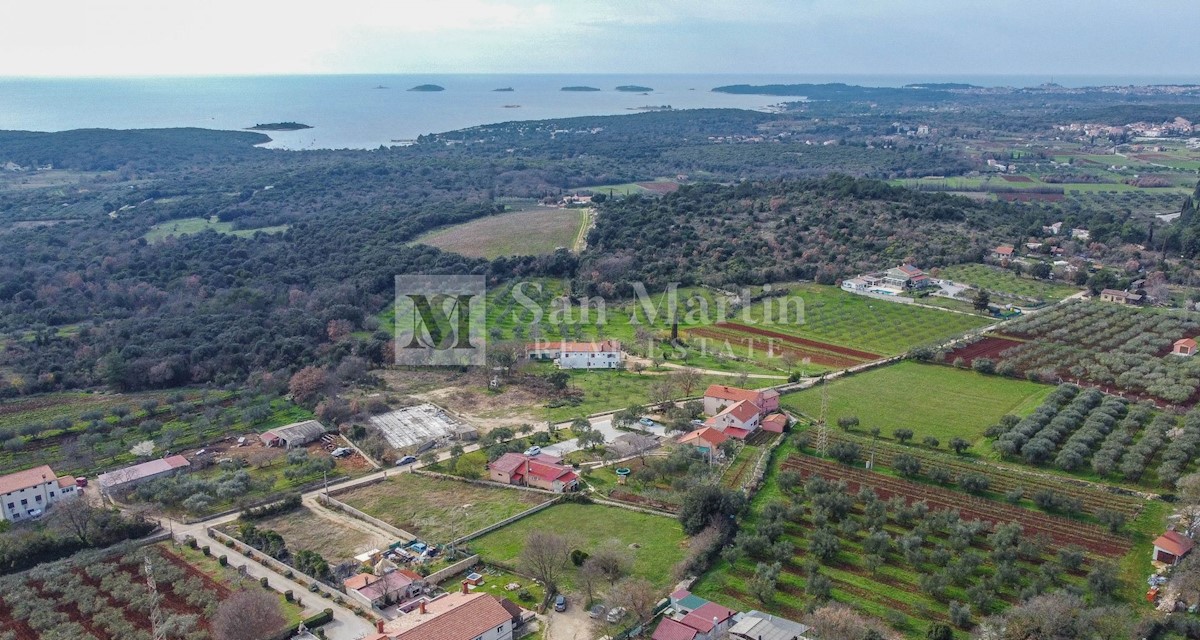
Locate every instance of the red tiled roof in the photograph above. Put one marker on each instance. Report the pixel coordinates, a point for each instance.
(743, 411)
(702, 618)
(466, 621)
(27, 478)
(737, 432)
(680, 594)
(575, 347)
(508, 463)
(732, 394)
(66, 481)
(1174, 543)
(1004, 250)
(707, 434)
(359, 581)
(776, 422)
(669, 629)
(1186, 342)
(548, 472)
(910, 270)
(389, 582)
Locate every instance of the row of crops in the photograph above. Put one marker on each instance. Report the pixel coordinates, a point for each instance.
(1126, 349)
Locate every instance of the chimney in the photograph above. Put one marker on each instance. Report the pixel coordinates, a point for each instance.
(421, 606)
(379, 626)
(465, 588)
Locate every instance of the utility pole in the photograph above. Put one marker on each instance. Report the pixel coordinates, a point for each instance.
(823, 424)
(156, 621)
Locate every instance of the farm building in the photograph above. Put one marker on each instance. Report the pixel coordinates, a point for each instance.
(1171, 547)
(1120, 297)
(775, 423)
(294, 435)
(129, 477)
(380, 591)
(1003, 252)
(1184, 347)
(455, 616)
(756, 625)
(421, 426)
(27, 494)
(605, 354)
(540, 471)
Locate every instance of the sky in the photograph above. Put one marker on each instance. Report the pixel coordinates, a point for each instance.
(936, 37)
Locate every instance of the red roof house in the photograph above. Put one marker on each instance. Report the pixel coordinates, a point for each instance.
(1171, 547)
(669, 629)
(708, 617)
(775, 423)
(540, 471)
(1184, 347)
(706, 438)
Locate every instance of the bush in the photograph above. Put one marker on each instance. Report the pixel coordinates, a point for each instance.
(263, 582)
(223, 561)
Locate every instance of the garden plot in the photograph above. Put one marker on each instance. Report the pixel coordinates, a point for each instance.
(420, 426)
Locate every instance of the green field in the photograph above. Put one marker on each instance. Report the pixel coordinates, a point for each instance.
(1004, 281)
(188, 226)
(529, 232)
(932, 400)
(438, 509)
(659, 540)
(858, 322)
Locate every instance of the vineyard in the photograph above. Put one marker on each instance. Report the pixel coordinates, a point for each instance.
(1061, 531)
(1121, 349)
(1086, 432)
(107, 599)
(1002, 481)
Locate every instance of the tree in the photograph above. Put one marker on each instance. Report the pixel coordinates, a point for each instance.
(902, 435)
(76, 518)
(845, 452)
(1103, 581)
(847, 423)
(613, 561)
(974, 482)
(686, 379)
(839, 622)
(590, 576)
(250, 614)
(907, 465)
(307, 383)
(545, 556)
(637, 595)
(959, 445)
(982, 300)
(931, 442)
(939, 631)
(589, 439)
(710, 504)
(762, 584)
(824, 545)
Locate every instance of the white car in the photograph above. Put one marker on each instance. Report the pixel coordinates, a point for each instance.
(533, 451)
(615, 614)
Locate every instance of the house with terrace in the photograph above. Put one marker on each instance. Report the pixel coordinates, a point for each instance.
(540, 472)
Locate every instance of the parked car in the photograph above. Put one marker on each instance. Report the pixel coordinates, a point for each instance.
(646, 422)
(597, 611)
(341, 452)
(560, 603)
(533, 451)
(406, 460)
(615, 614)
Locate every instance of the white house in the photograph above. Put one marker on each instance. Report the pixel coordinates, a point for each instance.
(605, 354)
(27, 494)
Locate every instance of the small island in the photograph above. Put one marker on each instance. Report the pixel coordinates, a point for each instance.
(503, 89)
(428, 87)
(634, 88)
(279, 126)
(580, 88)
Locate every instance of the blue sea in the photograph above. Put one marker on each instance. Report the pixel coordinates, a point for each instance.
(366, 111)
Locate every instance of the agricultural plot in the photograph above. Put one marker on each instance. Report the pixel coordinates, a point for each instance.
(900, 551)
(930, 400)
(83, 434)
(190, 226)
(655, 543)
(1002, 480)
(1090, 434)
(438, 509)
(660, 481)
(1004, 285)
(528, 232)
(304, 530)
(94, 596)
(1121, 349)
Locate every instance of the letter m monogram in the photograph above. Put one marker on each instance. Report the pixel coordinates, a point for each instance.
(440, 320)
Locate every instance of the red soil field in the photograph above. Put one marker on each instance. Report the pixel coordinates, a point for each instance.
(816, 357)
(659, 187)
(1017, 178)
(793, 340)
(989, 347)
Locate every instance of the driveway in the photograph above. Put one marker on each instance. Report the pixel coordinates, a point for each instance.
(561, 449)
(572, 624)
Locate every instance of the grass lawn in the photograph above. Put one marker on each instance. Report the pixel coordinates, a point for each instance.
(885, 328)
(496, 581)
(438, 509)
(932, 400)
(624, 189)
(660, 540)
(188, 226)
(1005, 281)
(303, 530)
(527, 232)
